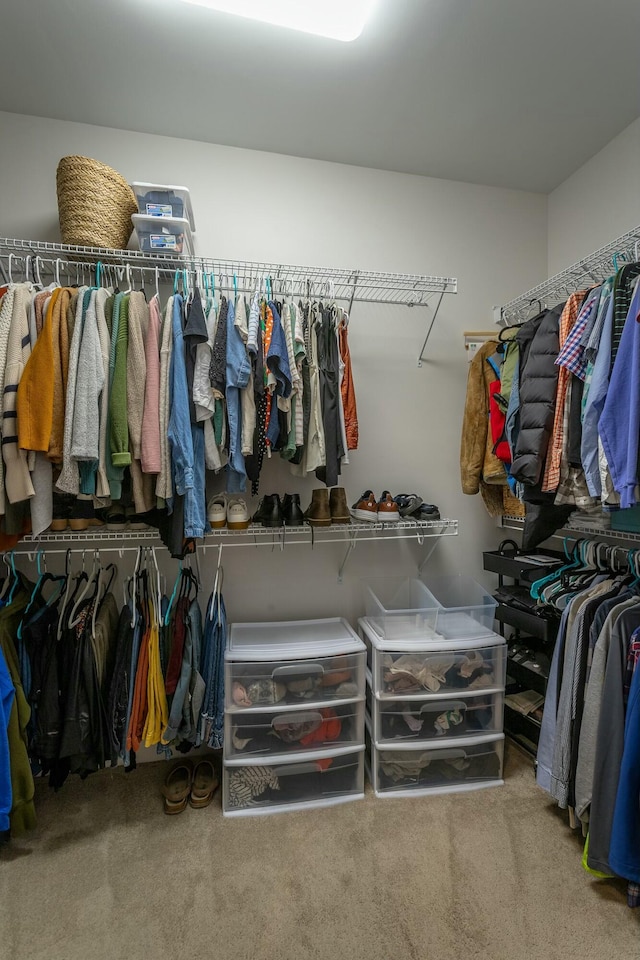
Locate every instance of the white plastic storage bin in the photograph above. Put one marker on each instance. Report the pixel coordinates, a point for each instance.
(160, 200)
(401, 607)
(163, 234)
(466, 610)
(409, 771)
(402, 669)
(271, 665)
(426, 721)
(298, 731)
(280, 787)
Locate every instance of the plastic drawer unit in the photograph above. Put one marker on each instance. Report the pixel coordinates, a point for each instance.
(160, 200)
(438, 719)
(401, 607)
(159, 235)
(304, 664)
(417, 669)
(407, 770)
(279, 787)
(297, 731)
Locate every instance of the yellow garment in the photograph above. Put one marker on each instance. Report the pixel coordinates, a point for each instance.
(158, 711)
(594, 873)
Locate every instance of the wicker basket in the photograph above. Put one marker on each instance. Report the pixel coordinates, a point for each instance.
(95, 204)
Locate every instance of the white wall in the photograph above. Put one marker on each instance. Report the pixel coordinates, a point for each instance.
(598, 203)
(254, 205)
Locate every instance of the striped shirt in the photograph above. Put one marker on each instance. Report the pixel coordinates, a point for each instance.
(569, 316)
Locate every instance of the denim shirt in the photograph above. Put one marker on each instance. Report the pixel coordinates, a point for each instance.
(179, 421)
(238, 371)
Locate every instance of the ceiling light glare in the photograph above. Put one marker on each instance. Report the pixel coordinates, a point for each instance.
(335, 19)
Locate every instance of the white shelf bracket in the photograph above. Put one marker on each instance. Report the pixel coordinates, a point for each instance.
(421, 355)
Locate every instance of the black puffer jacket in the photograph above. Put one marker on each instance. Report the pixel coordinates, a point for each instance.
(539, 346)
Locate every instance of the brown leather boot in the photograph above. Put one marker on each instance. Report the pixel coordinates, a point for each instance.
(338, 506)
(318, 513)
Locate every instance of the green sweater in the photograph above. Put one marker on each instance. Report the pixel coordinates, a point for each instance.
(118, 426)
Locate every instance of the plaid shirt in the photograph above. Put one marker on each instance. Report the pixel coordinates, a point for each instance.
(571, 355)
(551, 477)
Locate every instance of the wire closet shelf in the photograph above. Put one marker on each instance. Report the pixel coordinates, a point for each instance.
(591, 270)
(352, 285)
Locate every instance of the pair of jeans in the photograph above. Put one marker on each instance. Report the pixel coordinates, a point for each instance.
(329, 370)
(238, 371)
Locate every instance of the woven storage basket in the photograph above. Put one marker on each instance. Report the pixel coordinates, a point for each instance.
(95, 204)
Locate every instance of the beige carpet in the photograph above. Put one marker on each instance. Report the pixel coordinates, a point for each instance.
(493, 875)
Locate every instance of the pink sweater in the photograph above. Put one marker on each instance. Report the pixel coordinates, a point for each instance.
(150, 458)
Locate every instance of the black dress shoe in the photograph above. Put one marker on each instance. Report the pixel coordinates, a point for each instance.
(293, 515)
(269, 513)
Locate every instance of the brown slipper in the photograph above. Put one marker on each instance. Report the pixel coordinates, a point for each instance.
(177, 787)
(204, 784)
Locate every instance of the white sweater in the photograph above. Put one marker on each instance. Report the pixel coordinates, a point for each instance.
(17, 479)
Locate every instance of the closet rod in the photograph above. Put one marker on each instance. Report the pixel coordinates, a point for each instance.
(592, 269)
(351, 285)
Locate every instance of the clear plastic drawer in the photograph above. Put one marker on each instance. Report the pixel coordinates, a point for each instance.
(278, 787)
(450, 718)
(467, 765)
(265, 685)
(407, 671)
(250, 735)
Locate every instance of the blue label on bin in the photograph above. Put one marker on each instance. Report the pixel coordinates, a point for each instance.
(159, 209)
(163, 241)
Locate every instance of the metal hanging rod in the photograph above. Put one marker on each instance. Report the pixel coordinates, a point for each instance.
(592, 269)
(413, 290)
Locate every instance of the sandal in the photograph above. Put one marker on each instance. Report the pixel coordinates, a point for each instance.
(177, 787)
(204, 784)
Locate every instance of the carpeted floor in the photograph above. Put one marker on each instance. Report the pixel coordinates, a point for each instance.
(493, 875)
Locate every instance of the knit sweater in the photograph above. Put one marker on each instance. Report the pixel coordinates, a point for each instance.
(136, 368)
(118, 427)
(85, 439)
(60, 341)
(69, 479)
(164, 485)
(35, 390)
(150, 448)
(102, 480)
(17, 477)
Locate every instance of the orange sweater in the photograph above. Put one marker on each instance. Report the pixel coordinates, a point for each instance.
(34, 402)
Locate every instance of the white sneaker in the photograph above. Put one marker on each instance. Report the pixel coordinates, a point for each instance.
(237, 514)
(217, 511)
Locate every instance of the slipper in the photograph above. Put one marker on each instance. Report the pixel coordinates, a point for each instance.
(177, 787)
(204, 784)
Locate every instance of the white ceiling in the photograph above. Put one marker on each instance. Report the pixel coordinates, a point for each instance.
(511, 93)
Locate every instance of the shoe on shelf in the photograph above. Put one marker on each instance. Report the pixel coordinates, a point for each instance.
(217, 511)
(116, 517)
(387, 508)
(318, 513)
(292, 511)
(427, 511)
(136, 521)
(269, 512)
(408, 503)
(338, 506)
(83, 515)
(62, 506)
(366, 508)
(237, 514)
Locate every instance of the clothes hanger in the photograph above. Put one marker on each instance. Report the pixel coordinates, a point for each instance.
(572, 563)
(92, 580)
(99, 597)
(217, 585)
